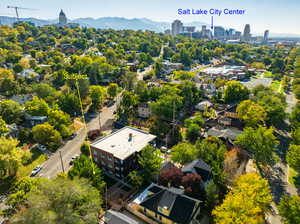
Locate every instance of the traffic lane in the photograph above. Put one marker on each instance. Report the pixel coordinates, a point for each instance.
(53, 165)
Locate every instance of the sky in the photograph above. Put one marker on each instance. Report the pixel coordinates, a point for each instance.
(279, 16)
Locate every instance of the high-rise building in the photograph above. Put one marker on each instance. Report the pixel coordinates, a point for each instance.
(62, 18)
(177, 27)
(189, 29)
(247, 35)
(266, 36)
(168, 31)
(219, 33)
(206, 33)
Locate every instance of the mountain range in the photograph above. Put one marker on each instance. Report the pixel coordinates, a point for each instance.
(119, 23)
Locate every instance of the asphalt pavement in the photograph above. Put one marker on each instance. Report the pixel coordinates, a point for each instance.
(53, 165)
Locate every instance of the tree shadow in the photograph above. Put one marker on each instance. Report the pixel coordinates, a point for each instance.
(6, 183)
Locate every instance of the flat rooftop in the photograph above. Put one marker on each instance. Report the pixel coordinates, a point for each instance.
(222, 70)
(120, 145)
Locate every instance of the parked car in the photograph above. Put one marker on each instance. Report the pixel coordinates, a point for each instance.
(93, 134)
(42, 147)
(36, 170)
(73, 136)
(2, 198)
(73, 158)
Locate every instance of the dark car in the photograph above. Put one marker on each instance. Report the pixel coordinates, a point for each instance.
(73, 135)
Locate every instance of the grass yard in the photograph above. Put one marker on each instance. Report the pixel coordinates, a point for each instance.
(293, 177)
(37, 158)
(275, 85)
(268, 74)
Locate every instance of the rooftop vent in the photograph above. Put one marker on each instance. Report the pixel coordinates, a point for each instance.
(130, 137)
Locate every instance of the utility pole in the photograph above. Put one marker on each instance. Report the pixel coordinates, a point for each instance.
(99, 118)
(174, 119)
(62, 163)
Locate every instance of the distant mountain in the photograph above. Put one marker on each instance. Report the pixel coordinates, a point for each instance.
(5, 20)
(119, 23)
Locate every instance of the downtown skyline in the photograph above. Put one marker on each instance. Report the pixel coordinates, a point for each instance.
(274, 15)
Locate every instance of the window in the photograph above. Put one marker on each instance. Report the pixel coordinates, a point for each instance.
(95, 159)
(109, 158)
(110, 166)
(103, 155)
(103, 163)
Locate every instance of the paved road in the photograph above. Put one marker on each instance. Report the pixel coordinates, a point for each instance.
(53, 165)
(291, 101)
(140, 74)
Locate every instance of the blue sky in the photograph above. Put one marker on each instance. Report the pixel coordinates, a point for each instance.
(279, 16)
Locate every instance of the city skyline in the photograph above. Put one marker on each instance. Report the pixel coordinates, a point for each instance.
(261, 15)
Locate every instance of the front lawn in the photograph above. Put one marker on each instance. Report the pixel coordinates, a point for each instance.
(37, 158)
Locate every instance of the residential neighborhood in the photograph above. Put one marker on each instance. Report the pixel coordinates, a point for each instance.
(125, 126)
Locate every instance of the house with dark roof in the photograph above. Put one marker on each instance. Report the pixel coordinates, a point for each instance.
(228, 135)
(199, 167)
(167, 205)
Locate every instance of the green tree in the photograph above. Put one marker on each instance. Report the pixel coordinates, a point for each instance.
(10, 111)
(261, 142)
(150, 161)
(212, 151)
(97, 93)
(183, 153)
(44, 91)
(294, 117)
(69, 103)
(46, 135)
(20, 191)
(275, 108)
(193, 127)
(84, 167)
(252, 113)
(85, 149)
(184, 75)
(235, 92)
(129, 80)
(212, 195)
(57, 117)
(128, 104)
(11, 157)
(185, 57)
(296, 136)
(246, 202)
(3, 127)
(61, 201)
(164, 107)
(112, 90)
(289, 209)
(293, 157)
(136, 178)
(37, 107)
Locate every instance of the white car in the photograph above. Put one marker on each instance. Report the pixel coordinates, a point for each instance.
(42, 147)
(36, 170)
(73, 158)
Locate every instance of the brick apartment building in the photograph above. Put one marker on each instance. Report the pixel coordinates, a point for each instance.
(117, 153)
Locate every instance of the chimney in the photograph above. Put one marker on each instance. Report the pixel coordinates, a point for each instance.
(130, 137)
